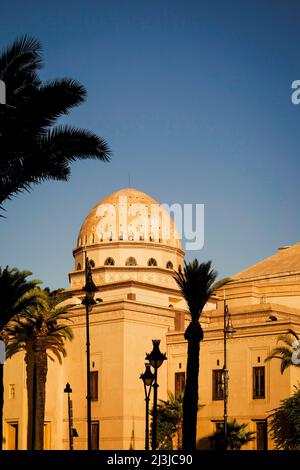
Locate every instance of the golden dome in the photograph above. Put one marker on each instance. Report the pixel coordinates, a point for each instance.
(128, 215)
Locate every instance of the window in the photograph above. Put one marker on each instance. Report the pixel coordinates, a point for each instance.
(217, 444)
(131, 296)
(217, 384)
(219, 425)
(179, 321)
(78, 267)
(109, 262)
(179, 383)
(152, 262)
(262, 435)
(131, 261)
(258, 382)
(169, 265)
(142, 237)
(47, 435)
(121, 236)
(94, 385)
(12, 391)
(130, 236)
(92, 263)
(95, 435)
(12, 436)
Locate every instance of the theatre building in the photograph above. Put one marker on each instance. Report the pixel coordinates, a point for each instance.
(133, 262)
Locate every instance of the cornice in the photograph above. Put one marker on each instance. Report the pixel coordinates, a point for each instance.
(242, 331)
(131, 283)
(129, 244)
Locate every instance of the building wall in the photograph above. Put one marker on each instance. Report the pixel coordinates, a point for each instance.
(243, 354)
(140, 304)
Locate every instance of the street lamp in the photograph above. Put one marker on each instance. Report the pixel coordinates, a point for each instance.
(90, 289)
(147, 378)
(156, 358)
(228, 333)
(68, 390)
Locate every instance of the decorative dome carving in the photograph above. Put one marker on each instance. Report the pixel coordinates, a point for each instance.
(131, 216)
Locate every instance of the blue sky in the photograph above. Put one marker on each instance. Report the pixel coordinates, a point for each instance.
(194, 100)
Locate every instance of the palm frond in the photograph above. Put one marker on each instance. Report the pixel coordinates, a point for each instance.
(32, 150)
(196, 284)
(18, 68)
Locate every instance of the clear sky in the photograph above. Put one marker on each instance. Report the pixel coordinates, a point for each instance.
(194, 100)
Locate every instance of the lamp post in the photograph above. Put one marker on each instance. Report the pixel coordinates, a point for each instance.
(68, 390)
(156, 358)
(147, 378)
(90, 289)
(228, 332)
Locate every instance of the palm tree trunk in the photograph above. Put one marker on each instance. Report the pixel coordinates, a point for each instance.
(41, 377)
(193, 335)
(30, 383)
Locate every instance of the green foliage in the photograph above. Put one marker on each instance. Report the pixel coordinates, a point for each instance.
(32, 148)
(18, 294)
(237, 436)
(169, 419)
(286, 351)
(196, 283)
(285, 423)
(43, 324)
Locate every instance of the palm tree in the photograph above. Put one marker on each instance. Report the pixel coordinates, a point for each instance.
(169, 421)
(41, 334)
(32, 150)
(288, 352)
(197, 284)
(237, 436)
(169, 417)
(17, 295)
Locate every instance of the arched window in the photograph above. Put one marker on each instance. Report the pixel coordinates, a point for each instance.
(121, 236)
(152, 262)
(131, 261)
(78, 267)
(130, 236)
(169, 265)
(92, 263)
(110, 237)
(142, 237)
(109, 262)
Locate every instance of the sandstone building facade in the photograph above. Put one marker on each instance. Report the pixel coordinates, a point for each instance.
(133, 263)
